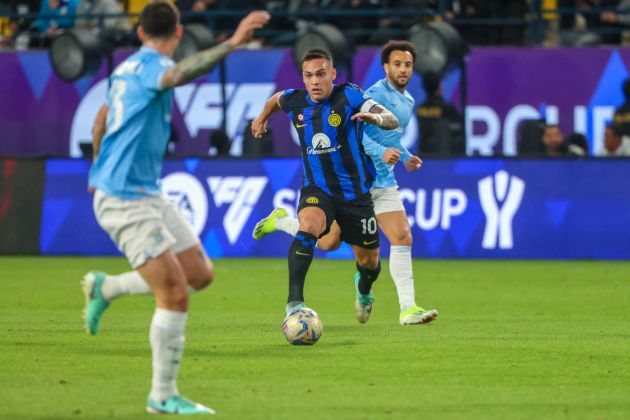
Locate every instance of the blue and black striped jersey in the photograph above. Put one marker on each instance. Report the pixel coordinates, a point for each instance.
(332, 150)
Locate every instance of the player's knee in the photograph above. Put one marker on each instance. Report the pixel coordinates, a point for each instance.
(402, 238)
(314, 227)
(328, 244)
(203, 278)
(368, 260)
(175, 296)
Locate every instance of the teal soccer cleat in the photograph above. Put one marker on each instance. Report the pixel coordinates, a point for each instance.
(177, 405)
(268, 224)
(293, 306)
(95, 303)
(362, 303)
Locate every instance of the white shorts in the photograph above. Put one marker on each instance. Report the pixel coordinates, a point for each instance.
(386, 200)
(145, 228)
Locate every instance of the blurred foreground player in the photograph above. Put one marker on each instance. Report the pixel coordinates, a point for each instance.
(147, 228)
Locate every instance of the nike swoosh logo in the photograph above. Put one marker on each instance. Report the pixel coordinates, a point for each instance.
(369, 243)
(300, 253)
(299, 125)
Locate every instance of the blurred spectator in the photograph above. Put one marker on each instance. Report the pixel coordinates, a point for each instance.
(6, 31)
(577, 145)
(615, 144)
(220, 143)
(256, 148)
(612, 23)
(285, 23)
(186, 7)
(529, 137)
(607, 29)
(553, 142)
(55, 15)
(17, 32)
(463, 10)
(224, 26)
(390, 26)
(615, 17)
(357, 23)
(441, 126)
(513, 34)
(621, 119)
(101, 7)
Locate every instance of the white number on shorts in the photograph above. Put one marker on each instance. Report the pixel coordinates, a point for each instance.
(369, 225)
(118, 90)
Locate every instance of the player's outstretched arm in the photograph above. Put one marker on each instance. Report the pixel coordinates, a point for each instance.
(259, 125)
(98, 130)
(413, 163)
(374, 150)
(200, 63)
(378, 116)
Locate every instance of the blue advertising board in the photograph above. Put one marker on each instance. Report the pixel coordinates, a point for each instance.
(457, 208)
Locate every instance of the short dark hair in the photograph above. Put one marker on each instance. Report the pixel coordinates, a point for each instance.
(397, 45)
(616, 128)
(626, 89)
(159, 19)
(316, 53)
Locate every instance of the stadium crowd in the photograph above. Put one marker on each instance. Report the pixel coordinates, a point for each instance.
(25, 23)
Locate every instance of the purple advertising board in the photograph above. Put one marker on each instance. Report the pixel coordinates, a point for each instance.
(577, 88)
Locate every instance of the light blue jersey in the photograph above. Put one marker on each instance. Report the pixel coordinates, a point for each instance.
(138, 127)
(377, 140)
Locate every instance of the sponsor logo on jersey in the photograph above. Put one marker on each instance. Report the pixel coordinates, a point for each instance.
(321, 145)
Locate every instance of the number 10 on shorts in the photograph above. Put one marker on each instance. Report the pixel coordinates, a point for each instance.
(369, 225)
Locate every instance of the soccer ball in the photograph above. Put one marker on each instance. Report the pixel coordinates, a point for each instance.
(302, 327)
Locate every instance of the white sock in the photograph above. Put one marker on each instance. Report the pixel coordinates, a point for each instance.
(402, 273)
(289, 225)
(167, 344)
(129, 283)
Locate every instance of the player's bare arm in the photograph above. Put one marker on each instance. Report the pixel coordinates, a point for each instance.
(98, 130)
(379, 116)
(202, 62)
(259, 125)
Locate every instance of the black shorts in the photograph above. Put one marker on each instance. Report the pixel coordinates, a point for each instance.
(356, 218)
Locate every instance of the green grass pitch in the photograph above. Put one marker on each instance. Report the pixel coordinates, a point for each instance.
(530, 340)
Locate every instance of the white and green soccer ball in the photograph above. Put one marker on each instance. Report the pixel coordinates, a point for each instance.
(302, 327)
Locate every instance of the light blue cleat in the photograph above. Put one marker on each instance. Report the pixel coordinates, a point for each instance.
(95, 303)
(177, 405)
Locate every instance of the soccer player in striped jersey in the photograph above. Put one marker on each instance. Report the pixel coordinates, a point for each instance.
(338, 174)
(385, 149)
